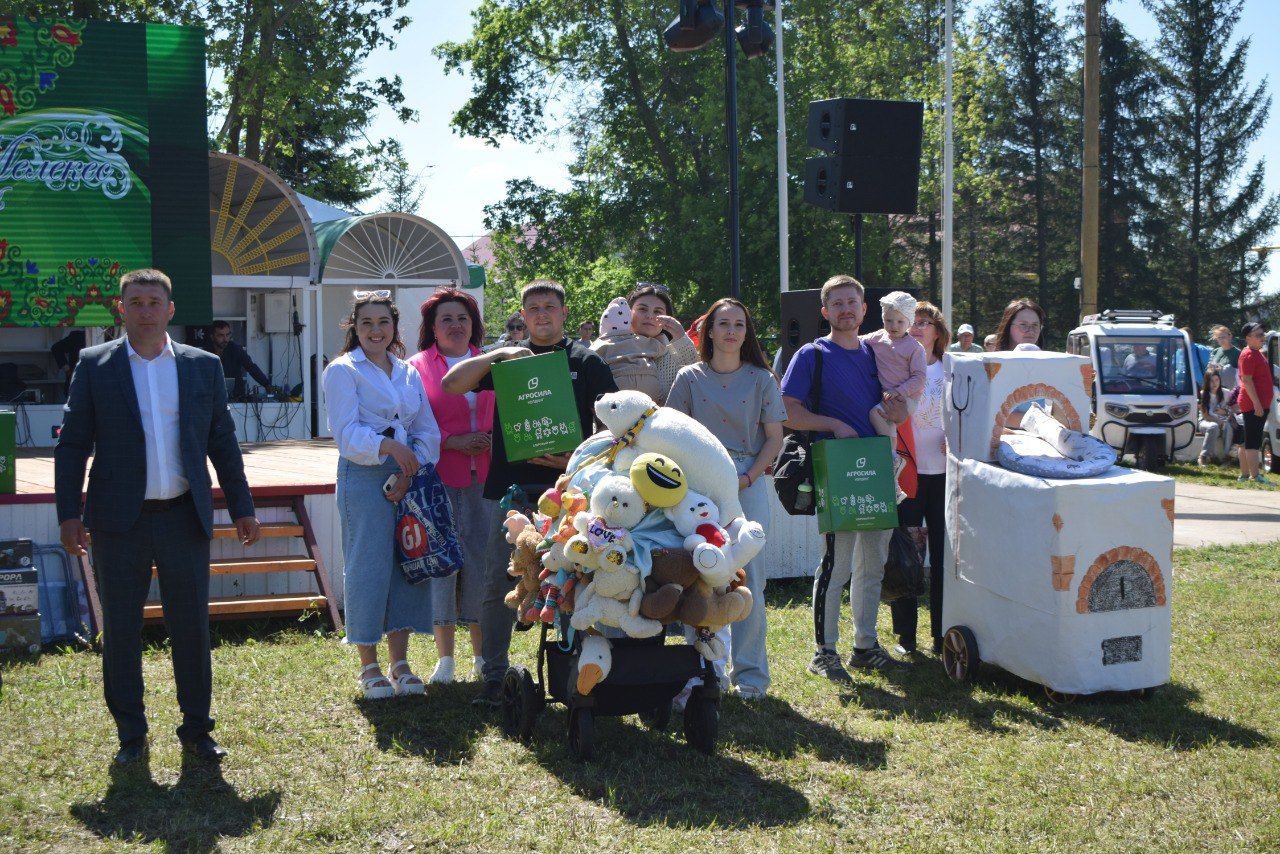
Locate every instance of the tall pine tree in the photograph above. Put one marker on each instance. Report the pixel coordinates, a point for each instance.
(1126, 131)
(1212, 205)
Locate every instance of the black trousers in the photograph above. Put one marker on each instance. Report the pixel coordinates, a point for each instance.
(175, 541)
(928, 507)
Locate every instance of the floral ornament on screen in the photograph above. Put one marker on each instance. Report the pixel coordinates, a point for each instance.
(33, 51)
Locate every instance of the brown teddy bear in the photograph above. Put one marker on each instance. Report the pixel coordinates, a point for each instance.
(526, 564)
(676, 592)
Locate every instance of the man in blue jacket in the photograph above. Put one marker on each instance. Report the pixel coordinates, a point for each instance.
(150, 411)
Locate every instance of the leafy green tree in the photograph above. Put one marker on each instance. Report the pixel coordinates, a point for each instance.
(1212, 205)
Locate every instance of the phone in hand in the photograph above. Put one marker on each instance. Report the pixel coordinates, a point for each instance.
(390, 484)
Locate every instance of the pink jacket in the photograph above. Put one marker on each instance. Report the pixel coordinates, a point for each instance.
(899, 363)
(454, 416)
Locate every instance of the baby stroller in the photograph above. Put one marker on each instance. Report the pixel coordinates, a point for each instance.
(647, 674)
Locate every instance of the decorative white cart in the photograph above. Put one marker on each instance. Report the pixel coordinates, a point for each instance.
(1065, 583)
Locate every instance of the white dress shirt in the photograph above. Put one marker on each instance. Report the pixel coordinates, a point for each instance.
(156, 383)
(362, 402)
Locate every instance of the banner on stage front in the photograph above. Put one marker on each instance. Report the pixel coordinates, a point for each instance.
(855, 485)
(536, 406)
(104, 167)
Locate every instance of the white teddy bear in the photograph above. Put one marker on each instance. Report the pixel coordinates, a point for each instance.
(717, 553)
(671, 432)
(604, 535)
(614, 594)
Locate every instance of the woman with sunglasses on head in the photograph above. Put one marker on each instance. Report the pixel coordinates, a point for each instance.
(734, 394)
(928, 507)
(452, 331)
(651, 317)
(383, 426)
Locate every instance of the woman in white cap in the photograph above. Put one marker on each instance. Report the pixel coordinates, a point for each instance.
(964, 342)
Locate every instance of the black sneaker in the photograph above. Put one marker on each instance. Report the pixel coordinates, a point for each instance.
(827, 665)
(876, 658)
(490, 695)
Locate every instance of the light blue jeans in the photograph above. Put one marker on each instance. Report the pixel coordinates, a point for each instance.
(747, 654)
(378, 600)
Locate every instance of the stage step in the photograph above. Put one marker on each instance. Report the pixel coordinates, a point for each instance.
(236, 565)
(246, 607)
(269, 530)
(249, 606)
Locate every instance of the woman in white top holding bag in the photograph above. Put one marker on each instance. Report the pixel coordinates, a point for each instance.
(384, 429)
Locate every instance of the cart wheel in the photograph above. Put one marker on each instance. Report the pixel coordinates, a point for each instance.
(657, 718)
(960, 654)
(521, 703)
(1059, 698)
(581, 734)
(702, 724)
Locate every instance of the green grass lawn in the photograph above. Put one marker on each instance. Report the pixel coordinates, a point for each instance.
(1216, 475)
(899, 761)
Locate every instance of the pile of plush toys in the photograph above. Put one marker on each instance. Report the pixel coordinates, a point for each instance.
(645, 528)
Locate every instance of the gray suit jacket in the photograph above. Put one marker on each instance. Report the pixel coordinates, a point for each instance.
(101, 417)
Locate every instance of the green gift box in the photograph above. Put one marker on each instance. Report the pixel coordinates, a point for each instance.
(536, 406)
(855, 486)
(8, 453)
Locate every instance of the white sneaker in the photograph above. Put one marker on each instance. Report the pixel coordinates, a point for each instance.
(477, 665)
(443, 674)
(749, 693)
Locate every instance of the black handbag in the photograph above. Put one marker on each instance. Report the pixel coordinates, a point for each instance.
(904, 570)
(794, 466)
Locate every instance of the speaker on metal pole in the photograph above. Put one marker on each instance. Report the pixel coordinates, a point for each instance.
(874, 160)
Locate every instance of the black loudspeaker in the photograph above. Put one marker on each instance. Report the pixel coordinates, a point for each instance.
(874, 166)
(866, 128)
(802, 319)
(869, 185)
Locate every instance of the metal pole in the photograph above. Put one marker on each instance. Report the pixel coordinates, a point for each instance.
(1089, 207)
(857, 246)
(731, 136)
(784, 229)
(948, 176)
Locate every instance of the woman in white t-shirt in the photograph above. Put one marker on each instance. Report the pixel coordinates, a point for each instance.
(928, 508)
(734, 394)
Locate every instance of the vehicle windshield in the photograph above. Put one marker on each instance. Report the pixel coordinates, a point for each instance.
(1143, 365)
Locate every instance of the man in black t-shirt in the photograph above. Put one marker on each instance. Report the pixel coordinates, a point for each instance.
(544, 312)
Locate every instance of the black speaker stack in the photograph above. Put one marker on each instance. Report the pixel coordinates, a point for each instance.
(873, 160)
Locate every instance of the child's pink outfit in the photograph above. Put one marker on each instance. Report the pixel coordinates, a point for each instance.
(901, 366)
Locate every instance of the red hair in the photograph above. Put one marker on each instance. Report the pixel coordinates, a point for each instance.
(431, 305)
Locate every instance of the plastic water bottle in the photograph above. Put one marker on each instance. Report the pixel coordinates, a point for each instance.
(804, 496)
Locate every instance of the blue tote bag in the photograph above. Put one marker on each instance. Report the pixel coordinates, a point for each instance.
(426, 540)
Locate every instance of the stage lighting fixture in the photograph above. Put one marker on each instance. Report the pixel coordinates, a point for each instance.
(754, 35)
(698, 24)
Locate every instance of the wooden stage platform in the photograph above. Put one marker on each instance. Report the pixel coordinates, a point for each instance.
(274, 469)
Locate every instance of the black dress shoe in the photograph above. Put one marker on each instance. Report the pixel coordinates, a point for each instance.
(203, 747)
(131, 751)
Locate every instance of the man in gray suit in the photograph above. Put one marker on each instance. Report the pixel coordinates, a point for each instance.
(150, 411)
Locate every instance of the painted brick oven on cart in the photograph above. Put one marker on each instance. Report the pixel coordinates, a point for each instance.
(1065, 583)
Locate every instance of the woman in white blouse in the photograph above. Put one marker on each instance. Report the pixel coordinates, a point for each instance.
(384, 428)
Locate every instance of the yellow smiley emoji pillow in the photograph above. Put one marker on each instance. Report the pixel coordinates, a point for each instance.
(659, 480)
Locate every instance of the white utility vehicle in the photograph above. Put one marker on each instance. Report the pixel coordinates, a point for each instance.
(1143, 395)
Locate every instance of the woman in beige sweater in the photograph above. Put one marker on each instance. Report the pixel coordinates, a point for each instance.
(652, 317)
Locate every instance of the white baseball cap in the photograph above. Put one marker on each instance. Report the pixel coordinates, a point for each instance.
(964, 327)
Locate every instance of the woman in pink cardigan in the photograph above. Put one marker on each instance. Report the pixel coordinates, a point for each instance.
(452, 331)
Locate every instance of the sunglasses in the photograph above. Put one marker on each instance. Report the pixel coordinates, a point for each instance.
(383, 294)
(511, 327)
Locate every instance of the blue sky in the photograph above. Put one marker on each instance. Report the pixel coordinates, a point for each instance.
(463, 175)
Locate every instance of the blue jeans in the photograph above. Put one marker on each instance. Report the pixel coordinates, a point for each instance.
(747, 654)
(378, 600)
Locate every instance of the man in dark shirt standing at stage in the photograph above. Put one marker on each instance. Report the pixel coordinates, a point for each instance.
(543, 309)
(235, 360)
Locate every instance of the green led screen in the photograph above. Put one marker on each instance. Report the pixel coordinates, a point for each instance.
(104, 167)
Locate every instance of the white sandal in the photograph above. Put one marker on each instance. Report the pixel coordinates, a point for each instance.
(407, 682)
(370, 684)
